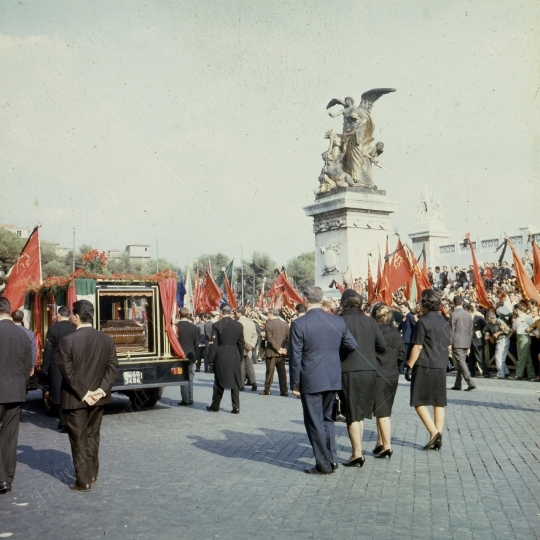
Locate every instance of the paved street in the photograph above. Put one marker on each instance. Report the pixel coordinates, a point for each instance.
(175, 472)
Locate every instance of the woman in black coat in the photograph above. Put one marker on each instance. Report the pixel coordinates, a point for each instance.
(426, 367)
(359, 371)
(387, 378)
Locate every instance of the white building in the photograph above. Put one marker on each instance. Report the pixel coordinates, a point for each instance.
(23, 232)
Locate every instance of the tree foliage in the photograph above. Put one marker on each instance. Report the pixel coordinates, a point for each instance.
(10, 248)
(301, 270)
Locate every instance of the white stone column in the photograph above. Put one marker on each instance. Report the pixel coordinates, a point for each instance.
(349, 223)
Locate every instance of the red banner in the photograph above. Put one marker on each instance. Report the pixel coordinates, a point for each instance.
(401, 271)
(284, 292)
(384, 294)
(370, 286)
(25, 271)
(212, 292)
(422, 282)
(536, 265)
(167, 293)
(481, 293)
(524, 282)
(230, 293)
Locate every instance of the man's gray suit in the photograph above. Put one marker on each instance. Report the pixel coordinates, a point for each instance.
(461, 325)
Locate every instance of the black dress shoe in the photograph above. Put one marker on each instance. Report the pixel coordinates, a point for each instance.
(378, 449)
(314, 470)
(254, 387)
(358, 462)
(340, 418)
(208, 408)
(183, 404)
(191, 402)
(335, 466)
(454, 388)
(83, 487)
(5, 486)
(283, 395)
(469, 388)
(236, 411)
(435, 443)
(63, 429)
(382, 455)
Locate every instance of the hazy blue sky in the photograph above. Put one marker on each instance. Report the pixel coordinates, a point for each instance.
(202, 122)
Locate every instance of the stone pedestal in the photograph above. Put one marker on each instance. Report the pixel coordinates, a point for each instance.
(349, 224)
(433, 233)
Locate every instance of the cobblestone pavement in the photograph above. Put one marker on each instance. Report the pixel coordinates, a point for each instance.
(176, 472)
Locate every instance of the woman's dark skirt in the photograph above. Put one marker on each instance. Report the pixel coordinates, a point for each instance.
(428, 387)
(358, 394)
(385, 392)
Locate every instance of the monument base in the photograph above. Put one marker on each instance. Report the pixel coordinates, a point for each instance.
(349, 225)
(433, 234)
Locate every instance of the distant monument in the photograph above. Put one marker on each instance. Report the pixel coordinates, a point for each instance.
(430, 230)
(351, 217)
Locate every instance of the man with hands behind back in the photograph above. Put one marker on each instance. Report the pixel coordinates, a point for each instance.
(89, 367)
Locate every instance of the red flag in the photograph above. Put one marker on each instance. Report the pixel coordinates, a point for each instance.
(424, 266)
(536, 264)
(212, 291)
(371, 292)
(481, 293)
(384, 294)
(230, 293)
(284, 292)
(401, 271)
(25, 271)
(379, 278)
(196, 294)
(339, 287)
(422, 282)
(524, 282)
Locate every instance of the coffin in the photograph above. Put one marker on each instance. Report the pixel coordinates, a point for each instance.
(127, 335)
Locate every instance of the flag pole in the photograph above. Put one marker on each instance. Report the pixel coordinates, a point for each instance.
(73, 251)
(242, 266)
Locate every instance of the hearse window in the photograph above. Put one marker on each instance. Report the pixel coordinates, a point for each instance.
(127, 317)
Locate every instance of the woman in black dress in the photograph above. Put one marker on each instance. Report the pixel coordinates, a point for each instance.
(426, 367)
(359, 370)
(387, 378)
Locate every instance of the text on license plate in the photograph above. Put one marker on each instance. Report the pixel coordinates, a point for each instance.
(132, 377)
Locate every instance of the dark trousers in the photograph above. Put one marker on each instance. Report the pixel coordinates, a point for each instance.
(276, 363)
(10, 416)
(83, 428)
(476, 354)
(55, 389)
(320, 427)
(203, 354)
(217, 395)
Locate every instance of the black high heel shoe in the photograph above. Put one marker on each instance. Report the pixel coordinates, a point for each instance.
(382, 455)
(435, 443)
(378, 449)
(358, 462)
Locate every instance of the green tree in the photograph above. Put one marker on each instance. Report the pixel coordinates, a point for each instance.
(217, 262)
(301, 270)
(10, 248)
(259, 267)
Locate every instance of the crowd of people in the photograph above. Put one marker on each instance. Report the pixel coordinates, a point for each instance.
(345, 356)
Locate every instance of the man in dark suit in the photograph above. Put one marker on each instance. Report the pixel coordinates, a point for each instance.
(407, 327)
(18, 317)
(315, 372)
(226, 354)
(275, 352)
(188, 335)
(15, 368)
(89, 367)
(55, 333)
(461, 328)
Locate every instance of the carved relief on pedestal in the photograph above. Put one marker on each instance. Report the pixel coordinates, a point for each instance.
(321, 224)
(330, 254)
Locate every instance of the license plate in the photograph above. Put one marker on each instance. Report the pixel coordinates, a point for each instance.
(132, 377)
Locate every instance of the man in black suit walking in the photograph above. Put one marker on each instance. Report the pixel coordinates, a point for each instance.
(55, 333)
(89, 367)
(226, 354)
(315, 374)
(15, 368)
(188, 335)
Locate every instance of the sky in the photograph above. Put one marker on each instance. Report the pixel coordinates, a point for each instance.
(201, 123)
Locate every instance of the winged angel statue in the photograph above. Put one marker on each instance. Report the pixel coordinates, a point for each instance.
(350, 157)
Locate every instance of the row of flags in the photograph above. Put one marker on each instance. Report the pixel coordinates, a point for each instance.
(400, 269)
